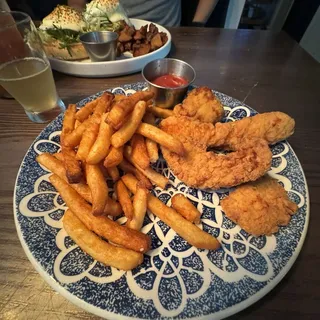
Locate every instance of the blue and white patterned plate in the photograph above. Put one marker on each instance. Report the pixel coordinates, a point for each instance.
(175, 280)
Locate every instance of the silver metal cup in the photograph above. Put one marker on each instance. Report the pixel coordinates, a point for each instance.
(168, 97)
(100, 45)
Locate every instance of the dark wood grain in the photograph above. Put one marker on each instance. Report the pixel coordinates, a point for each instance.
(266, 71)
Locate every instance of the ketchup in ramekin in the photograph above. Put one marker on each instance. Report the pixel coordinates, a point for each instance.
(170, 81)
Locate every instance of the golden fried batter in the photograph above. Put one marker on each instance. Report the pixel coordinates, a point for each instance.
(270, 126)
(248, 138)
(203, 169)
(259, 207)
(200, 104)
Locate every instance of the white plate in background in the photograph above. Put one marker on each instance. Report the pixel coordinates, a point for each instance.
(125, 64)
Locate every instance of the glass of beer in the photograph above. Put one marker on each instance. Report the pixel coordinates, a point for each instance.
(25, 71)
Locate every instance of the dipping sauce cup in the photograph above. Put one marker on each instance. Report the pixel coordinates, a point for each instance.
(100, 45)
(166, 97)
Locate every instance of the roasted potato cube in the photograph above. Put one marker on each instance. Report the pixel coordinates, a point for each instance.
(156, 42)
(124, 36)
(149, 36)
(164, 38)
(143, 48)
(130, 30)
(138, 35)
(153, 29)
(127, 46)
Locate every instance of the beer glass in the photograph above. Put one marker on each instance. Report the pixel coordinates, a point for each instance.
(25, 70)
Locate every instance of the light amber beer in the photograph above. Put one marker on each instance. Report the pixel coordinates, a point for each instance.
(30, 81)
(25, 71)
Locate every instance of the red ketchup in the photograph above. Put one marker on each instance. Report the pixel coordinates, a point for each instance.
(170, 81)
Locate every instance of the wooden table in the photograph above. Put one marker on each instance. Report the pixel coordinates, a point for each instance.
(266, 71)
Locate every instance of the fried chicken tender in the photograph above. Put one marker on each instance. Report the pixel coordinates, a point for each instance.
(259, 207)
(248, 138)
(198, 168)
(200, 104)
(270, 126)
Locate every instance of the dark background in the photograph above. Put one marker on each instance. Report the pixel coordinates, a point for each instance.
(295, 25)
(299, 18)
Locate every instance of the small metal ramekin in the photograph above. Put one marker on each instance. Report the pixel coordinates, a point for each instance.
(168, 97)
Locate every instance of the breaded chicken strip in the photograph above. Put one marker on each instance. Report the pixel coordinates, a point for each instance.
(270, 126)
(248, 138)
(199, 168)
(200, 104)
(259, 207)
